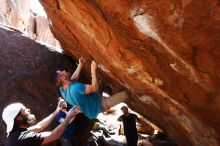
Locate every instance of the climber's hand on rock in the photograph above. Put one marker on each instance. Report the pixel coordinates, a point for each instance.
(82, 60)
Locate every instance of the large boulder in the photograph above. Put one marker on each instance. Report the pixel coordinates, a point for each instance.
(20, 15)
(27, 73)
(167, 52)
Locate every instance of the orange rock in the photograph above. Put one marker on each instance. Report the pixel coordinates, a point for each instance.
(166, 52)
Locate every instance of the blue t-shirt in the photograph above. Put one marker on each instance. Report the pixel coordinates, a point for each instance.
(70, 130)
(89, 103)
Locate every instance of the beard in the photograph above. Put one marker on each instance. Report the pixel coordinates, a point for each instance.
(29, 120)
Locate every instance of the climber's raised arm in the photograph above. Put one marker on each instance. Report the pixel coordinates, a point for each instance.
(76, 74)
(93, 87)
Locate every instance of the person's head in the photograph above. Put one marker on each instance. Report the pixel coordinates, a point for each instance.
(61, 77)
(16, 115)
(124, 110)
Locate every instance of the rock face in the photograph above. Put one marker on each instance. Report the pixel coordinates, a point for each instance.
(19, 15)
(167, 52)
(27, 70)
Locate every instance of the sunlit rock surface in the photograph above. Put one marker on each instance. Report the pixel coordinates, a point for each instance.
(18, 14)
(167, 52)
(27, 73)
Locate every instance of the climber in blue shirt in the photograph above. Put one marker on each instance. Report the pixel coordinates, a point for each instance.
(86, 96)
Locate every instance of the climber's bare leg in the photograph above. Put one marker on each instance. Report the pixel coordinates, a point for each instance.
(115, 99)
